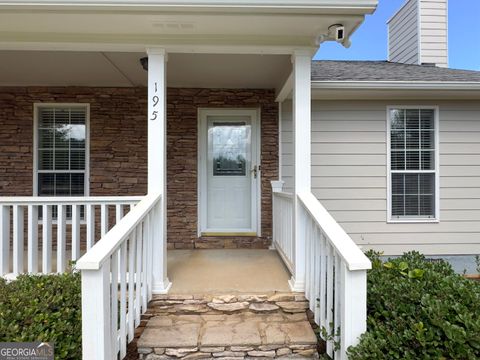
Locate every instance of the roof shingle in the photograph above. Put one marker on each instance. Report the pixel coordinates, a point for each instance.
(327, 70)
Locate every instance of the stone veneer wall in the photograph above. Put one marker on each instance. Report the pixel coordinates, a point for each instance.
(183, 105)
(118, 151)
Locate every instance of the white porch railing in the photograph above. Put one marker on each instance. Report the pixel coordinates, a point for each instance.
(283, 227)
(26, 221)
(335, 267)
(336, 277)
(117, 281)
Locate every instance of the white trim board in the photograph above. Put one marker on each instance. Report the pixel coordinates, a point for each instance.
(255, 115)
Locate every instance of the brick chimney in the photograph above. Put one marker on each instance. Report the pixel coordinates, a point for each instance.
(418, 33)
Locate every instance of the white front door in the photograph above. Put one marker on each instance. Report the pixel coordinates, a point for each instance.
(229, 173)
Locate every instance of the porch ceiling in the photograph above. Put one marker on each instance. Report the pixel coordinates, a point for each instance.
(133, 25)
(40, 68)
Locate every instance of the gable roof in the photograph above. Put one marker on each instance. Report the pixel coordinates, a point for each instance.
(384, 71)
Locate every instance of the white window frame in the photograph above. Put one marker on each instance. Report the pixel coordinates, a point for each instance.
(36, 108)
(406, 219)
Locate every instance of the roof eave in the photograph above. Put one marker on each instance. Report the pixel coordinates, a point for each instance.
(397, 85)
(273, 6)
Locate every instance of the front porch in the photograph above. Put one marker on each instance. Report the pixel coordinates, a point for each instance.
(125, 129)
(227, 271)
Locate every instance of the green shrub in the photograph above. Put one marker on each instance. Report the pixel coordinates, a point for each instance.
(419, 310)
(43, 308)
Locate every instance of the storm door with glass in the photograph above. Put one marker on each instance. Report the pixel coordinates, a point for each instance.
(230, 172)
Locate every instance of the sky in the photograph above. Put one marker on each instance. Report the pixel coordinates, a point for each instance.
(370, 40)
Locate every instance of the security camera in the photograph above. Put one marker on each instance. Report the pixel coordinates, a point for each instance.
(337, 32)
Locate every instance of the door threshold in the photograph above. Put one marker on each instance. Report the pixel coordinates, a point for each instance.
(228, 234)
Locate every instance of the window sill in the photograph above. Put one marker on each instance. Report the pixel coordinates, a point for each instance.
(413, 221)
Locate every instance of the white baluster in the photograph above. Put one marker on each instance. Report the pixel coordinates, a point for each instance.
(32, 239)
(131, 285)
(61, 238)
(337, 301)
(330, 290)
(118, 212)
(4, 239)
(18, 239)
(144, 267)
(123, 300)
(90, 210)
(47, 239)
(323, 282)
(103, 219)
(138, 294)
(149, 237)
(75, 232)
(114, 305)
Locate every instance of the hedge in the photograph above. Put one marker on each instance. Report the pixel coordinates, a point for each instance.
(419, 309)
(43, 308)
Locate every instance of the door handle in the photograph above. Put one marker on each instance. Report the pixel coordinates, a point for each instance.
(254, 171)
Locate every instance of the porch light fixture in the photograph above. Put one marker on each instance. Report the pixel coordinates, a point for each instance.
(144, 62)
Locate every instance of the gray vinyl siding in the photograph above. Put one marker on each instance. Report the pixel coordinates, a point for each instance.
(434, 32)
(418, 33)
(403, 35)
(286, 146)
(349, 175)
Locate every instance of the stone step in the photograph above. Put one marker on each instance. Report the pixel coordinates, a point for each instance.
(227, 327)
(214, 304)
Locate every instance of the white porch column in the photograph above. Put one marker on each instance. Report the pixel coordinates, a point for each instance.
(157, 117)
(302, 157)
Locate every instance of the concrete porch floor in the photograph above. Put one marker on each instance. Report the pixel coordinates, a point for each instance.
(226, 271)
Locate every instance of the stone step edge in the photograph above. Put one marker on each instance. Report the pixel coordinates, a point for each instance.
(238, 352)
(188, 304)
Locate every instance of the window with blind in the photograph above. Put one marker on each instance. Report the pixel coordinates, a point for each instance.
(61, 150)
(413, 165)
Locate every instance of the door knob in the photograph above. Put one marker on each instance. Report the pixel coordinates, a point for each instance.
(254, 171)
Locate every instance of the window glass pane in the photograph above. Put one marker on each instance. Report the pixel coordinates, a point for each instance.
(428, 160)
(45, 138)
(398, 182)
(413, 139)
(77, 184)
(77, 160)
(427, 184)
(398, 139)
(398, 160)
(46, 117)
(62, 160)
(427, 205)
(397, 119)
(411, 205)
(45, 160)
(46, 184)
(78, 116)
(62, 116)
(413, 119)
(62, 136)
(411, 184)
(413, 160)
(62, 184)
(77, 136)
(229, 142)
(428, 139)
(427, 118)
(398, 208)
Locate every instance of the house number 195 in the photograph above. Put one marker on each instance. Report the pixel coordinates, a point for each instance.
(155, 100)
